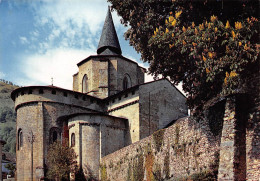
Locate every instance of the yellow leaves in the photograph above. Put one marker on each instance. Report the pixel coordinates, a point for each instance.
(207, 70)
(172, 34)
(194, 44)
(216, 29)
(210, 54)
(246, 47)
(227, 74)
(232, 74)
(177, 14)
(227, 49)
(225, 80)
(174, 22)
(183, 42)
(183, 29)
(233, 34)
(192, 24)
(238, 25)
(227, 25)
(204, 58)
(196, 31)
(209, 25)
(171, 45)
(157, 30)
(213, 18)
(201, 26)
(171, 18)
(240, 44)
(167, 30)
(166, 22)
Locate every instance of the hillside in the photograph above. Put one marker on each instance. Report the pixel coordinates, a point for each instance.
(7, 116)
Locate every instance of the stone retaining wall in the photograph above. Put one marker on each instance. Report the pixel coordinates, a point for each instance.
(187, 149)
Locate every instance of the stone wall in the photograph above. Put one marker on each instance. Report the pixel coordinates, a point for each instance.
(187, 149)
(53, 94)
(38, 118)
(127, 106)
(105, 75)
(95, 136)
(160, 103)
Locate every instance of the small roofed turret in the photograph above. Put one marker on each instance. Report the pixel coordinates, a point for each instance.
(108, 43)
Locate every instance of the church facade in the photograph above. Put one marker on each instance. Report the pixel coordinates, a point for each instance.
(110, 107)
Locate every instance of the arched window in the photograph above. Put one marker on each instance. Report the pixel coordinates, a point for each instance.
(54, 134)
(20, 139)
(126, 82)
(72, 140)
(85, 84)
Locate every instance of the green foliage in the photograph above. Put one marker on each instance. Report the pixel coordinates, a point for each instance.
(157, 175)
(61, 161)
(158, 139)
(7, 114)
(177, 134)
(166, 167)
(11, 167)
(103, 169)
(208, 57)
(138, 167)
(8, 134)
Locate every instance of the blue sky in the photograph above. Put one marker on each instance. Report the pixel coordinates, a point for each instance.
(47, 38)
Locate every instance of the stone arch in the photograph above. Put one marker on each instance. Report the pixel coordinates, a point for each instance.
(85, 84)
(126, 82)
(54, 134)
(20, 139)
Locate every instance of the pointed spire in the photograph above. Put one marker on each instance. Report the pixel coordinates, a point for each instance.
(108, 43)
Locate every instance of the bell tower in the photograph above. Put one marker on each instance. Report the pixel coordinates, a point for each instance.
(108, 72)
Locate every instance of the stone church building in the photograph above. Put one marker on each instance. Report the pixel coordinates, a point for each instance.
(110, 107)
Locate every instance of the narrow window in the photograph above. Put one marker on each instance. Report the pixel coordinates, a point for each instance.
(30, 91)
(85, 84)
(54, 136)
(76, 96)
(65, 94)
(72, 140)
(126, 82)
(20, 139)
(53, 91)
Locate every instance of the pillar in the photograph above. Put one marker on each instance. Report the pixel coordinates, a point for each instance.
(232, 161)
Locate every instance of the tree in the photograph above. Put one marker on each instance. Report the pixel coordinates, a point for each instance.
(209, 46)
(12, 168)
(61, 161)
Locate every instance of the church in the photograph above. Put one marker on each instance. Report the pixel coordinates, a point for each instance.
(110, 107)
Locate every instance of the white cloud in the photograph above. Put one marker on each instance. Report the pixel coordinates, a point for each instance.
(60, 64)
(2, 75)
(23, 40)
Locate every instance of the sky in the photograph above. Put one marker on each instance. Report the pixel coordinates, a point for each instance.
(45, 39)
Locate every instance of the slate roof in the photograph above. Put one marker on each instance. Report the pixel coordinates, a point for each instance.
(108, 43)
